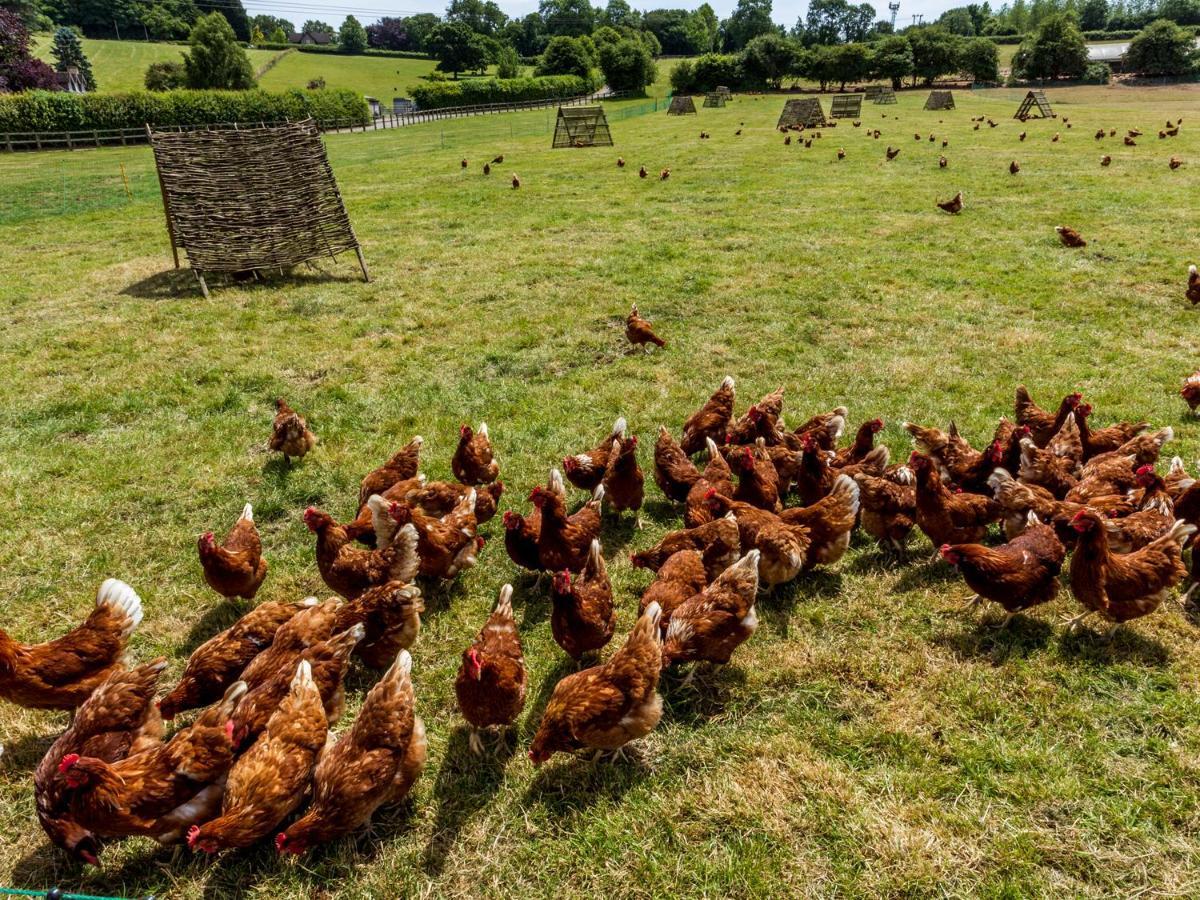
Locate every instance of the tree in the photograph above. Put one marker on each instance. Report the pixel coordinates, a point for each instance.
(769, 58)
(68, 53)
(958, 21)
(850, 62)
(390, 33)
(19, 71)
(893, 59)
(29, 12)
(508, 63)
(268, 24)
(627, 66)
(1184, 12)
(278, 36)
(823, 24)
(856, 24)
(1055, 49)
(419, 28)
(480, 16)
(980, 58)
(572, 18)
(1093, 15)
(566, 56)
(672, 28)
(168, 75)
(456, 48)
(1162, 48)
(528, 35)
(704, 28)
(233, 12)
(617, 12)
(750, 18)
(352, 38)
(935, 52)
(316, 26)
(215, 59)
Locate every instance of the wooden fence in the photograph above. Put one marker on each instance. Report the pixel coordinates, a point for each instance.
(100, 137)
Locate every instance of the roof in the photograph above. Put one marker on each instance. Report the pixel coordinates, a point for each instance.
(317, 37)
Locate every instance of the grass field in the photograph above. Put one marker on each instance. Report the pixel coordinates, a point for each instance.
(871, 740)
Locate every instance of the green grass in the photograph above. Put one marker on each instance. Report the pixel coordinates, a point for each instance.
(871, 739)
(374, 76)
(121, 65)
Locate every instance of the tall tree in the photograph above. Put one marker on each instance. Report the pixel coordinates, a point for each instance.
(1162, 48)
(572, 18)
(935, 52)
(457, 48)
(268, 24)
(893, 59)
(19, 71)
(823, 24)
(1055, 48)
(316, 26)
(769, 58)
(68, 53)
(750, 18)
(352, 37)
(215, 59)
(617, 12)
(234, 13)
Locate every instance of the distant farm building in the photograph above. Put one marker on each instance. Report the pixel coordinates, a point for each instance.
(320, 38)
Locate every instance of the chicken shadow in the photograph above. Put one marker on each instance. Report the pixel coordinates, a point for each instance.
(927, 573)
(537, 603)
(986, 639)
(465, 784)
(439, 594)
(170, 284)
(711, 689)
(875, 558)
(47, 866)
(22, 754)
(533, 712)
(569, 786)
(215, 619)
(776, 609)
(1127, 645)
(617, 533)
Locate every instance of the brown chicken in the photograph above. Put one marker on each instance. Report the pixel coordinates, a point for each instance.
(888, 509)
(290, 434)
(758, 480)
(1014, 167)
(1043, 468)
(1174, 163)
(717, 542)
(1106, 160)
(1193, 287)
(680, 577)
(642, 173)
(1121, 587)
(892, 152)
(864, 443)
(446, 546)
(404, 464)
(1017, 499)
(348, 570)
(1043, 425)
(760, 421)
(953, 206)
(824, 429)
(945, 517)
(586, 470)
(311, 625)
(717, 474)
(62, 673)
(782, 547)
(118, 720)
(1018, 575)
(1069, 236)
(607, 706)
(220, 661)
(1145, 448)
(711, 420)
(1191, 385)
(814, 476)
(640, 332)
(439, 498)
(674, 473)
(1153, 519)
(563, 541)
(144, 793)
(269, 780)
(521, 532)
(624, 484)
(710, 625)
(583, 617)
(828, 522)
(492, 680)
(1107, 440)
(943, 162)
(235, 568)
(373, 765)
(391, 617)
(328, 661)
(474, 462)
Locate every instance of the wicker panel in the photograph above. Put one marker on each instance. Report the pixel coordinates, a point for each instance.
(239, 199)
(806, 112)
(940, 100)
(682, 105)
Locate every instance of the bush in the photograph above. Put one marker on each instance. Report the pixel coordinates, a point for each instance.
(1097, 73)
(768, 58)
(216, 60)
(499, 90)
(1054, 50)
(19, 71)
(683, 76)
(980, 58)
(713, 70)
(59, 111)
(317, 84)
(627, 66)
(168, 75)
(352, 38)
(567, 56)
(1161, 48)
(508, 64)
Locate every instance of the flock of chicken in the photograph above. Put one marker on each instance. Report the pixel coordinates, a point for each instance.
(269, 688)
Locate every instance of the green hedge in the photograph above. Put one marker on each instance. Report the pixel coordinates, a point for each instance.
(60, 111)
(475, 91)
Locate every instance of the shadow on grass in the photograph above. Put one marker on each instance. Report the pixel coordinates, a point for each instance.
(927, 573)
(775, 609)
(568, 785)
(711, 689)
(216, 618)
(22, 754)
(173, 283)
(983, 638)
(533, 712)
(466, 783)
(1127, 645)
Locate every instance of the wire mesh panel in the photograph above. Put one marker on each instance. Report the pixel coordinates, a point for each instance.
(714, 99)
(885, 95)
(239, 199)
(724, 92)
(582, 126)
(846, 106)
(806, 112)
(940, 100)
(1035, 99)
(872, 92)
(682, 105)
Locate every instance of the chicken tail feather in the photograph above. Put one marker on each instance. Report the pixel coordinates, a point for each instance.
(122, 599)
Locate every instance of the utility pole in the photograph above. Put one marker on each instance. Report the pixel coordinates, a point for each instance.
(895, 8)
(116, 28)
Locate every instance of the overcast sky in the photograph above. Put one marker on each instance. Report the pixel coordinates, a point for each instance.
(785, 11)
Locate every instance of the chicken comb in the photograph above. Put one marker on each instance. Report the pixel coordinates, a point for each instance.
(68, 762)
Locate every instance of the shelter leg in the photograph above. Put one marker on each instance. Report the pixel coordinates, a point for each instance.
(362, 262)
(203, 285)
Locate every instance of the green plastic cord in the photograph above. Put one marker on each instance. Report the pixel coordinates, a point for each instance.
(19, 892)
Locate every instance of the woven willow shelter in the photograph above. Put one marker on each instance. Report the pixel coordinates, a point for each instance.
(940, 100)
(238, 199)
(582, 126)
(714, 99)
(806, 112)
(682, 105)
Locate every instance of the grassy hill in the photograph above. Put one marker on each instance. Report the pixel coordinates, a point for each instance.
(379, 77)
(872, 739)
